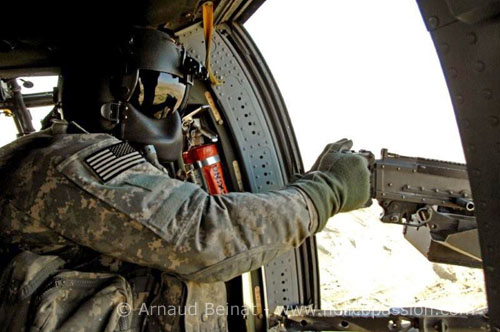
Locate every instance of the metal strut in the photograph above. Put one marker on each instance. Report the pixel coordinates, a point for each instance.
(17, 107)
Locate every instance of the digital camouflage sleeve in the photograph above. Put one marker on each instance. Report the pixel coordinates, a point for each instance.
(51, 198)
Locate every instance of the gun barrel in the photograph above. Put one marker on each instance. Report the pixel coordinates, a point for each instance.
(467, 204)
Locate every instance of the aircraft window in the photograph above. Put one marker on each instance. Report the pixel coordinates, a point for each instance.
(40, 84)
(367, 70)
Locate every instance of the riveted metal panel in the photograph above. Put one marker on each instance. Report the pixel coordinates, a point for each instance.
(281, 280)
(255, 142)
(470, 58)
(242, 111)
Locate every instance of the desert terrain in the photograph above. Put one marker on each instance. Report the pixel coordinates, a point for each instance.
(366, 264)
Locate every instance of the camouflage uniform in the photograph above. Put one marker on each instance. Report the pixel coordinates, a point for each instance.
(52, 203)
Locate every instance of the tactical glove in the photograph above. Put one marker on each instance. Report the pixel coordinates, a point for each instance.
(339, 181)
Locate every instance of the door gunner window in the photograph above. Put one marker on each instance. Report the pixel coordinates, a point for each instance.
(35, 87)
(367, 71)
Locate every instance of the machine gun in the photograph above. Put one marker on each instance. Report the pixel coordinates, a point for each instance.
(432, 199)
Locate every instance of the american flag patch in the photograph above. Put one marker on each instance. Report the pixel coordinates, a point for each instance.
(113, 160)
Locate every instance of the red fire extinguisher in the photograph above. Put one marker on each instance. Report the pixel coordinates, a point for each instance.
(204, 168)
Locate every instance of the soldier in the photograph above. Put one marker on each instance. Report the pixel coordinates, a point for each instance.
(97, 211)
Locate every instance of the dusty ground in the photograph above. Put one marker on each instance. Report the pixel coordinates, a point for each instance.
(366, 264)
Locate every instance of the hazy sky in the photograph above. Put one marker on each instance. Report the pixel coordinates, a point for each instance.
(360, 69)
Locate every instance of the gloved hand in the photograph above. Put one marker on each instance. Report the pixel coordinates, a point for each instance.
(339, 181)
(330, 153)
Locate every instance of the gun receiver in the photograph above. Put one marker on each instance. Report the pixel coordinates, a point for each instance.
(432, 199)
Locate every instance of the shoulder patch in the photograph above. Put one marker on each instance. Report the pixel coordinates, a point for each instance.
(113, 160)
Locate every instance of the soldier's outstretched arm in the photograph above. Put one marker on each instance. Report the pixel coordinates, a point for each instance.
(145, 217)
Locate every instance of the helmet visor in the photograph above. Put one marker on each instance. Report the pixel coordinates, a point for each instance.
(158, 94)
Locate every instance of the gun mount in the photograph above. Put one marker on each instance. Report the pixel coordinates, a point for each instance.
(432, 199)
